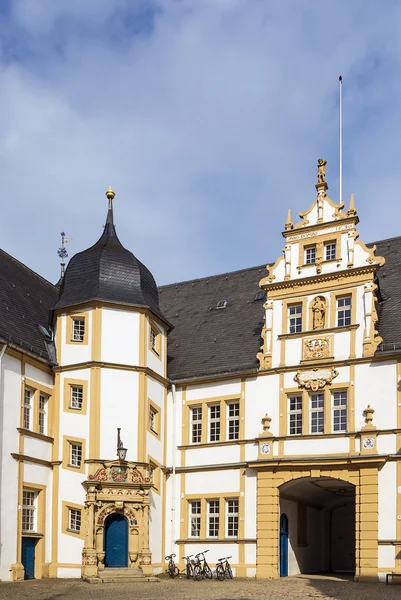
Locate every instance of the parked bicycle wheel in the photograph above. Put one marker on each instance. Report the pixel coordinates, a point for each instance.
(220, 574)
(228, 572)
(207, 572)
(198, 575)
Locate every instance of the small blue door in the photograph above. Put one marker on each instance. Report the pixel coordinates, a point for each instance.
(283, 546)
(28, 556)
(116, 541)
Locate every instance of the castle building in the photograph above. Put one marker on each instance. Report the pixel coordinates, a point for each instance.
(256, 414)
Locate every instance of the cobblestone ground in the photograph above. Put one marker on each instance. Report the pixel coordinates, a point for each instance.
(297, 588)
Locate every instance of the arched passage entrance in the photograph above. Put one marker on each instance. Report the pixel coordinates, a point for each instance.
(116, 541)
(321, 525)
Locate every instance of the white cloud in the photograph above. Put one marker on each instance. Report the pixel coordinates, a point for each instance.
(208, 125)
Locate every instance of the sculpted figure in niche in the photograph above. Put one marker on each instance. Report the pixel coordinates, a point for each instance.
(321, 170)
(319, 312)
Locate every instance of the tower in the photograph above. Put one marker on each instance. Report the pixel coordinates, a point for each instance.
(111, 352)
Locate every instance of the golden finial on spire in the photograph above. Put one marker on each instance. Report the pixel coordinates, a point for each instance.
(351, 212)
(288, 224)
(110, 193)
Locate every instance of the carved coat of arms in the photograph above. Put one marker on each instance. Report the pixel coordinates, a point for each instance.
(317, 348)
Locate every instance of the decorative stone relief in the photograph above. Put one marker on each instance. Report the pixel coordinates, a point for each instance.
(315, 379)
(314, 348)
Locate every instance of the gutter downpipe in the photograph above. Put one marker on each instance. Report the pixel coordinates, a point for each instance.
(2, 352)
(173, 494)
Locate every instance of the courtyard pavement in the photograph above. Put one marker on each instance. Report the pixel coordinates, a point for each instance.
(297, 588)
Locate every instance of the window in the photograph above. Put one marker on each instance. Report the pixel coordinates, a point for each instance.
(213, 518)
(344, 311)
(78, 330)
(42, 413)
(221, 304)
(317, 413)
(295, 415)
(196, 425)
(310, 255)
(28, 510)
(214, 423)
(232, 518)
(295, 318)
(75, 454)
(195, 518)
(77, 395)
(340, 411)
(233, 420)
(28, 395)
(74, 520)
(153, 419)
(153, 340)
(330, 251)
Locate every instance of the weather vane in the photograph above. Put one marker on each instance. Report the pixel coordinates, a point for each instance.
(62, 252)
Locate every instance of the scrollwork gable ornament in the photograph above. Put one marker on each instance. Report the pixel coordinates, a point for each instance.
(315, 379)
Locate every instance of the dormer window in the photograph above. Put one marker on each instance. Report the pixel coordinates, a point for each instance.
(78, 330)
(330, 251)
(221, 304)
(310, 255)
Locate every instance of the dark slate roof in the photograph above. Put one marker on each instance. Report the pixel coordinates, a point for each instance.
(109, 272)
(25, 303)
(209, 341)
(389, 305)
(206, 340)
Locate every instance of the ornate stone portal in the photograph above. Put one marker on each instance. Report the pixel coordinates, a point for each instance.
(117, 487)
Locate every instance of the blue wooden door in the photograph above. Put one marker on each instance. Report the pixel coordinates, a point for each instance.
(28, 556)
(116, 541)
(283, 546)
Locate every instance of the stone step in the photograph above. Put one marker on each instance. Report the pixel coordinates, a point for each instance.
(124, 579)
(109, 572)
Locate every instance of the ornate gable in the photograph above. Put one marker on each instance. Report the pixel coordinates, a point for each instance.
(322, 254)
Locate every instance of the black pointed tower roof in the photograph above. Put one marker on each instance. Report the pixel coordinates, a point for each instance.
(109, 272)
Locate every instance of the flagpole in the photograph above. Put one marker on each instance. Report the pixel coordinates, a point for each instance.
(340, 79)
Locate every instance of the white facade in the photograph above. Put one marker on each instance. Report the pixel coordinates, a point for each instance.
(291, 469)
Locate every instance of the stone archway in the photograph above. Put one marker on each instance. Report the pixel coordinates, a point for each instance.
(362, 475)
(320, 514)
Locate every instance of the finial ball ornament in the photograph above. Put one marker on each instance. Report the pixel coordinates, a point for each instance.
(110, 194)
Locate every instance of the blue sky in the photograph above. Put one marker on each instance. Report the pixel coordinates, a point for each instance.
(206, 116)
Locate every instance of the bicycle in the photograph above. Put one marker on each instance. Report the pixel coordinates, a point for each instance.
(223, 569)
(189, 566)
(197, 569)
(172, 568)
(206, 570)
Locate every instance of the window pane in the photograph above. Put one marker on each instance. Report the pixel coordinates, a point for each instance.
(27, 408)
(76, 397)
(295, 415)
(78, 330)
(233, 421)
(214, 423)
(195, 518)
(310, 255)
(196, 425)
(330, 251)
(340, 411)
(75, 520)
(76, 455)
(344, 311)
(232, 518)
(295, 318)
(213, 518)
